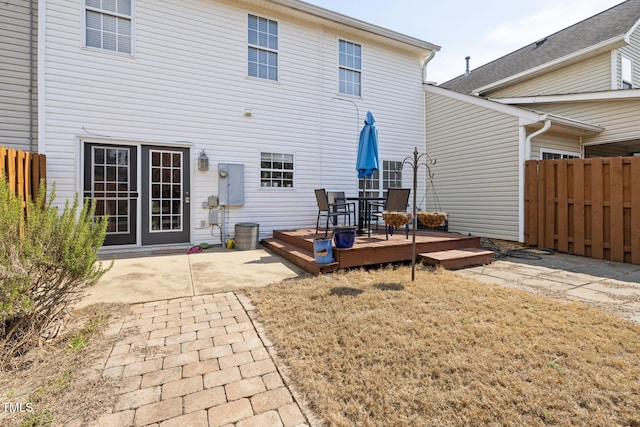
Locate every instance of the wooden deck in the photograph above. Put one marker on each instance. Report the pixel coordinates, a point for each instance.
(297, 247)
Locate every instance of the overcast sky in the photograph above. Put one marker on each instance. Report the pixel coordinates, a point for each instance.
(482, 29)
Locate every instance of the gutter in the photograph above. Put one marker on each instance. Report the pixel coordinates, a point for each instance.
(31, 86)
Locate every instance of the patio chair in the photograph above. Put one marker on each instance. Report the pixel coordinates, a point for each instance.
(338, 203)
(330, 210)
(397, 200)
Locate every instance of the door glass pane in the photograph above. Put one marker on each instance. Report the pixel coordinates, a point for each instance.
(165, 179)
(110, 186)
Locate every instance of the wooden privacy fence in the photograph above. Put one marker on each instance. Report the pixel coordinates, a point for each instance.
(23, 171)
(588, 207)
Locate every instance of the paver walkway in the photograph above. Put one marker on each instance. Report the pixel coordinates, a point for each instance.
(197, 361)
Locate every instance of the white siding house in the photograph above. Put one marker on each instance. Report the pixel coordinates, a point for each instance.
(130, 98)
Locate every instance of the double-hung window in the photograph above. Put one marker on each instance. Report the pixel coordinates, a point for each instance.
(263, 48)
(108, 24)
(350, 68)
(391, 174)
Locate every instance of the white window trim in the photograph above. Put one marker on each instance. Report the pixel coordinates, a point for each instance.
(83, 29)
(248, 45)
(349, 68)
(560, 152)
(294, 171)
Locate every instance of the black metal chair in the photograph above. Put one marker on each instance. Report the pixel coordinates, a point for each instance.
(338, 203)
(330, 210)
(397, 200)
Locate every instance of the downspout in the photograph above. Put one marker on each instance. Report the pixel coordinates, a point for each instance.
(31, 86)
(525, 154)
(424, 65)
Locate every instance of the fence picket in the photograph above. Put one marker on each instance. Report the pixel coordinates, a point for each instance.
(588, 207)
(23, 171)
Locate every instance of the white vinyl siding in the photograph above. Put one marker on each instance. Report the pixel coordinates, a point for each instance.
(18, 109)
(476, 172)
(194, 51)
(590, 75)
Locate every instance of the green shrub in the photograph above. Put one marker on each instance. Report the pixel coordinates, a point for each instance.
(47, 260)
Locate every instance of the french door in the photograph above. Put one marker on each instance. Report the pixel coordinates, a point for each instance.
(158, 206)
(111, 181)
(165, 195)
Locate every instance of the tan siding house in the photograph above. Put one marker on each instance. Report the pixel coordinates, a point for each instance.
(571, 81)
(18, 81)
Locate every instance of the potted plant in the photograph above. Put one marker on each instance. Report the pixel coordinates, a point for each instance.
(344, 236)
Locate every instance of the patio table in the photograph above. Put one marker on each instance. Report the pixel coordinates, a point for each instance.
(363, 210)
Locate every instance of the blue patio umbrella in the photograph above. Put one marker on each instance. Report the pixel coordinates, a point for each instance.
(367, 161)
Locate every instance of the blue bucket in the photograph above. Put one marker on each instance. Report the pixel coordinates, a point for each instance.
(322, 252)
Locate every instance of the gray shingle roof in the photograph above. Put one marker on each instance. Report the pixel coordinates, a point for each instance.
(606, 25)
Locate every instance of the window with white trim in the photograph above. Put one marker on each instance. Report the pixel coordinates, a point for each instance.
(263, 48)
(350, 68)
(627, 73)
(108, 24)
(546, 154)
(276, 170)
(391, 174)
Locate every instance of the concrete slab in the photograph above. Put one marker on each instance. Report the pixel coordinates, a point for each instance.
(615, 287)
(591, 295)
(153, 276)
(225, 271)
(143, 278)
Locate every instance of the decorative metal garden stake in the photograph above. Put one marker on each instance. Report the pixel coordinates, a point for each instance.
(414, 162)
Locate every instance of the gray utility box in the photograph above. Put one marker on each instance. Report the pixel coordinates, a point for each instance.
(230, 184)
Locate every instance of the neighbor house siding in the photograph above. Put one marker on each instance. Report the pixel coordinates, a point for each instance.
(476, 170)
(188, 84)
(18, 98)
(591, 75)
(554, 142)
(631, 51)
(619, 118)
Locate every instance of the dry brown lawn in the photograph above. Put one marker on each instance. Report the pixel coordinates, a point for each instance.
(372, 348)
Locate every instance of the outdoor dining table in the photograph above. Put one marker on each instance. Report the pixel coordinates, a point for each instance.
(363, 210)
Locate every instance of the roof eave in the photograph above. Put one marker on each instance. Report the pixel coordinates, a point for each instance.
(341, 19)
(607, 45)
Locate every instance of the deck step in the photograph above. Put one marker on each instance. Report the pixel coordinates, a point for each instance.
(299, 256)
(457, 258)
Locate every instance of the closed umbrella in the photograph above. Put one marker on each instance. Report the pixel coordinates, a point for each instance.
(367, 161)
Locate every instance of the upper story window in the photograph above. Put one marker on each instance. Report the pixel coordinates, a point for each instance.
(627, 73)
(263, 48)
(108, 24)
(350, 67)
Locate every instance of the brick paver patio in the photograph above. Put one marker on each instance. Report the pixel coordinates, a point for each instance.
(198, 361)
